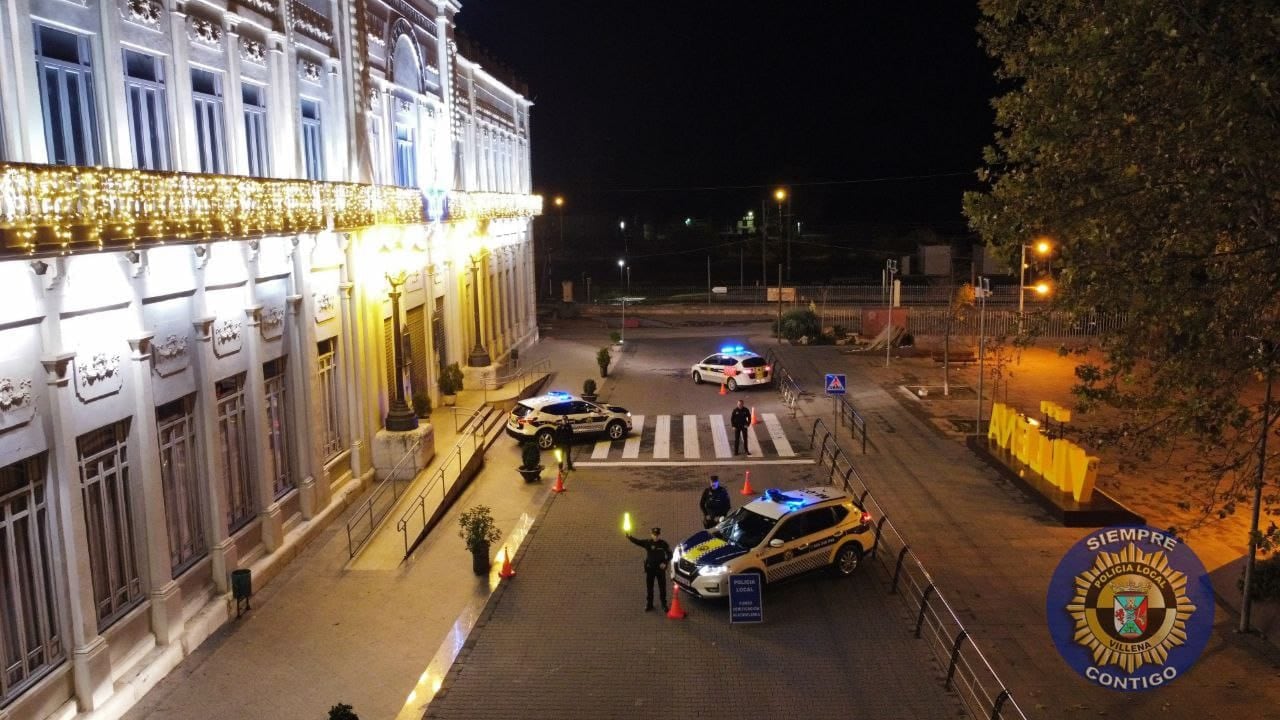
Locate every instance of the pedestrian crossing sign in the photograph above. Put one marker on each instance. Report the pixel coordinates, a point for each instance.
(835, 384)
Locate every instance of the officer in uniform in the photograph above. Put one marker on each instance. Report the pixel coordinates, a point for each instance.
(740, 419)
(564, 439)
(657, 553)
(714, 503)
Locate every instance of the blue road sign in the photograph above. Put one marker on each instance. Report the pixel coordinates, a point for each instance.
(835, 384)
(746, 602)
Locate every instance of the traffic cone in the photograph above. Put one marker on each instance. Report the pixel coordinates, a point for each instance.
(675, 612)
(754, 421)
(559, 486)
(746, 485)
(507, 572)
(722, 390)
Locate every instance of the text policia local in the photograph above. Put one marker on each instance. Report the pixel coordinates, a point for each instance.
(1140, 535)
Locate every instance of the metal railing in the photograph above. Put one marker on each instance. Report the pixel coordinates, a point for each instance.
(369, 512)
(791, 392)
(440, 479)
(521, 376)
(968, 673)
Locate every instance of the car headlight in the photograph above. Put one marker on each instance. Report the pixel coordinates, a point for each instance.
(713, 570)
(677, 553)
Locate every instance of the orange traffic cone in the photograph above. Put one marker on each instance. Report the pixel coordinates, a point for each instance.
(675, 612)
(746, 485)
(754, 421)
(507, 572)
(559, 486)
(722, 390)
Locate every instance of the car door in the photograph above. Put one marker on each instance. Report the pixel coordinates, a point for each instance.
(711, 368)
(806, 543)
(587, 417)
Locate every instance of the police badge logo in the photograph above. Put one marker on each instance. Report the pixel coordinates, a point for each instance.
(1130, 608)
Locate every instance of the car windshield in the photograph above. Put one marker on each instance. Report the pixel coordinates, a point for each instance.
(753, 362)
(744, 527)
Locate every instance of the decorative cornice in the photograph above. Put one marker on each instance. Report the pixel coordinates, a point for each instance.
(310, 23)
(253, 51)
(308, 70)
(55, 368)
(204, 32)
(142, 346)
(266, 7)
(204, 328)
(376, 39)
(146, 13)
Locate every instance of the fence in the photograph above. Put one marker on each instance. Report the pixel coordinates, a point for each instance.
(968, 672)
(475, 432)
(372, 511)
(791, 392)
(933, 321)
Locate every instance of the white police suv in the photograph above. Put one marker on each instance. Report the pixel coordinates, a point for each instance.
(735, 367)
(777, 535)
(536, 418)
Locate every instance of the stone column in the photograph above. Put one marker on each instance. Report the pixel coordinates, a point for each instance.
(186, 148)
(90, 660)
(144, 466)
(233, 98)
(222, 551)
(313, 488)
(255, 392)
(351, 360)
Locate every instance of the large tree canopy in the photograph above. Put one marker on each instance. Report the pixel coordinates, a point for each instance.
(1143, 137)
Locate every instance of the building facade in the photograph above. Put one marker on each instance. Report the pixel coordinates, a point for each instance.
(202, 206)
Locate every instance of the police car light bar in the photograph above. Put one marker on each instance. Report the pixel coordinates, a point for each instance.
(732, 349)
(560, 393)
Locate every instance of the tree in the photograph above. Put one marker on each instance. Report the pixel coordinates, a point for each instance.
(1143, 137)
(961, 302)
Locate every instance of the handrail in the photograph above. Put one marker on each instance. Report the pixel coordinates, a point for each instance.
(968, 672)
(520, 376)
(475, 413)
(791, 392)
(475, 435)
(369, 507)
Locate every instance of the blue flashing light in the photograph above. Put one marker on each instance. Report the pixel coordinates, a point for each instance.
(732, 349)
(560, 393)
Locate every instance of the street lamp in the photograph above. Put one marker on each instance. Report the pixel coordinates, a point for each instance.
(621, 264)
(981, 292)
(891, 269)
(559, 202)
(400, 417)
(479, 356)
(783, 229)
(1042, 247)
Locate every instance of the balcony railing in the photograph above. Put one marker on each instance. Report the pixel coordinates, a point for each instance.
(49, 209)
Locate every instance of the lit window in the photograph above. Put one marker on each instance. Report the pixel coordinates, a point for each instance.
(65, 73)
(405, 157)
(277, 428)
(234, 449)
(312, 149)
(180, 477)
(145, 97)
(206, 93)
(108, 516)
(255, 129)
(330, 397)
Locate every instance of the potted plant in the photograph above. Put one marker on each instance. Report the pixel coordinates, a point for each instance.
(531, 463)
(603, 358)
(477, 528)
(589, 390)
(450, 382)
(615, 337)
(422, 405)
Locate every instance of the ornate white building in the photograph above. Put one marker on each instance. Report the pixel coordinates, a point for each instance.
(201, 203)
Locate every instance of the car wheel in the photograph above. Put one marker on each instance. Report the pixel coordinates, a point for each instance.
(732, 385)
(697, 378)
(848, 557)
(545, 440)
(615, 430)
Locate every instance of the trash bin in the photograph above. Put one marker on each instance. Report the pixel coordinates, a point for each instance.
(242, 590)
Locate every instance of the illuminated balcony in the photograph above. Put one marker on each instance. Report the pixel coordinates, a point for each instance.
(49, 210)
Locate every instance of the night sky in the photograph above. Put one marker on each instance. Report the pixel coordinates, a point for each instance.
(640, 106)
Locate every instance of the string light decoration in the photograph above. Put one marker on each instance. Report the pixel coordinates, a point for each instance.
(53, 209)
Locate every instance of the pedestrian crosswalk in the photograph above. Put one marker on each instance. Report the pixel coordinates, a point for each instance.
(683, 438)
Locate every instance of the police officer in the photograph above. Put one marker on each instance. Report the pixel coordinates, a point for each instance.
(564, 439)
(740, 419)
(714, 503)
(657, 553)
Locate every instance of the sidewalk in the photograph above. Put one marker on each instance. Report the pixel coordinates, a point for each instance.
(992, 549)
(322, 633)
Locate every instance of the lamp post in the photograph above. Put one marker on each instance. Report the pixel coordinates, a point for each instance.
(479, 356)
(982, 291)
(621, 288)
(559, 202)
(400, 417)
(891, 269)
(781, 194)
(1042, 247)
(1267, 351)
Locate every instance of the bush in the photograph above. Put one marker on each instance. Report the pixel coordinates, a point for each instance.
(450, 380)
(615, 337)
(588, 387)
(478, 528)
(797, 324)
(1266, 579)
(530, 456)
(421, 404)
(342, 711)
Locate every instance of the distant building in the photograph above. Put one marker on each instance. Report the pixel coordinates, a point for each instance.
(199, 213)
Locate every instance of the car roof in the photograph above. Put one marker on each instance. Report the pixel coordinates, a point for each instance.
(778, 503)
(735, 351)
(555, 396)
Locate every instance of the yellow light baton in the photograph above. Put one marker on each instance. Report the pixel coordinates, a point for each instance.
(626, 523)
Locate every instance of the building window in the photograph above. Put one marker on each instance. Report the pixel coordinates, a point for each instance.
(234, 448)
(29, 642)
(311, 146)
(211, 137)
(180, 476)
(148, 126)
(405, 157)
(330, 399)
(255, 129)
(108, 515)
(277, 428)
(65, 73)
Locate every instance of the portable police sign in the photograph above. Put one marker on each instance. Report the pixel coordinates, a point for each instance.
(835, 383)
(746, 602)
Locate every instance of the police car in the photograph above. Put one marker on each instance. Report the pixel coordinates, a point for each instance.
(734, 366)
(536, 418)
(777, 535)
